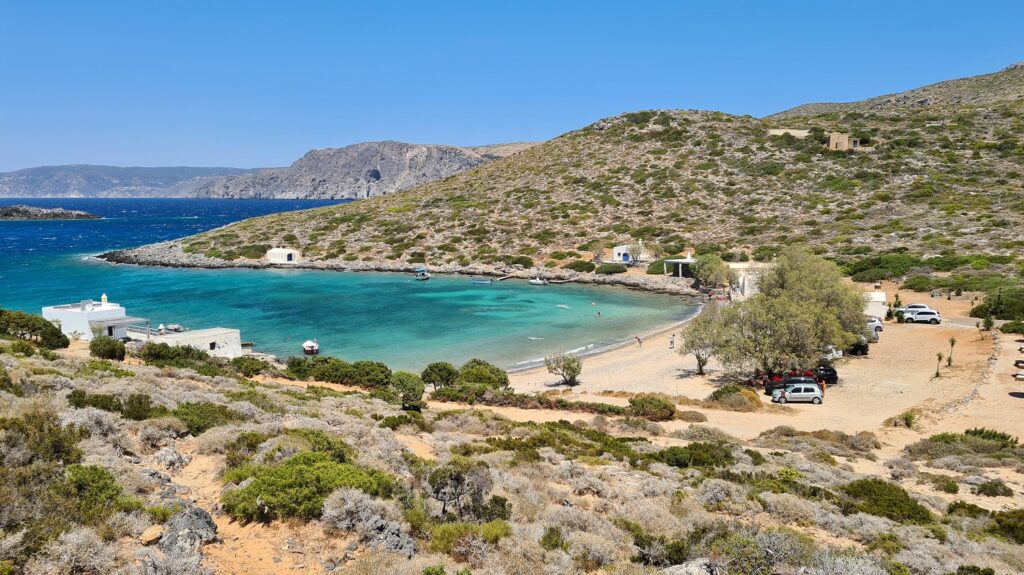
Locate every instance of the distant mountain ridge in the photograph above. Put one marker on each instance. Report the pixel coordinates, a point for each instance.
(94, 181)
(358, 171)
(1002, 86)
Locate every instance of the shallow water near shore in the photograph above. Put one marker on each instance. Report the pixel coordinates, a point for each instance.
(382, 316)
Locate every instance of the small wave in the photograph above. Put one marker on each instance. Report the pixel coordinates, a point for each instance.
(532, 338)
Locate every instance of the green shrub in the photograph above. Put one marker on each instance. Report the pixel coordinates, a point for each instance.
(370, 375)
(79, 399)
(942, 483)
(888, 543)
(444, 535)
(249, 366)
(478, 371)
(198, 417)
(1005, 440)
(96, 494)
(994, 488)
(884, 499)
(19, 347)
(552, 539)
(6, 384)
(105, 347)
(755, 457)
(966, 509)
(439, 374)
(324, 442)
(651, 407)
(696, 455)
(1015, 326)
(39, 432)
(525, 261)
(1010, 524)
(580, 266)
(610, 269)
(298, 487)
(973, 570)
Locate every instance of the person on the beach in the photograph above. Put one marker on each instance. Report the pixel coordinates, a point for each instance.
(639, 342)
(672, 341)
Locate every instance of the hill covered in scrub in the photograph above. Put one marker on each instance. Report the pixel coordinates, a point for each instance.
(358, 171)
(193, 465)
(87, 181)
(929, 179)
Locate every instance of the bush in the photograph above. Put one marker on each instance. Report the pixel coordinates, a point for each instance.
(1010, 524)
(409, 388)
(973, 570)
(79, 399)
(96, 494)
(884, 499)
(478, 371)
(369, 375)
(105, 347)
(580, 266)
(249, 366)
(198, 417)
(692, 416)
(994, 488)
(439, 374)
(966, 509)
(19, 347)
(444, 536)
(552, 539)
(525, 261)
(651, 407)
(610, 269)
(298, 487)
(697, 455)
(568, 367)
(1015, 326)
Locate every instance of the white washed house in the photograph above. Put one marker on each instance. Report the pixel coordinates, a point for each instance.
(621, 254)
(283, 255)
(88, 318)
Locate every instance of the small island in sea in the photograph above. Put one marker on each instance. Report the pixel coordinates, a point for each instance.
(20, 212)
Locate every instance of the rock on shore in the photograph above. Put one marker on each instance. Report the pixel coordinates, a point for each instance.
(20, 212)
(170, 254)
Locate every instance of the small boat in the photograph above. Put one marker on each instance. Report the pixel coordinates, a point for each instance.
(176, 328)
(422, 274)
(310, 347)
(481, 281)
(538, 282)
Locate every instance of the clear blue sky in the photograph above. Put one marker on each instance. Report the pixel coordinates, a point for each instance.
(250, 83)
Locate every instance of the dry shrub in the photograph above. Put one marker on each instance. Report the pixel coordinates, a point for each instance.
(704, 433)
(741, 400)
(790, 508)
(80, 550)
(724, 496)
(692, 416)
(593, 552)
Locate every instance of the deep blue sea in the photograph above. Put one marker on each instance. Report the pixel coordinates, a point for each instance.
(381, 316)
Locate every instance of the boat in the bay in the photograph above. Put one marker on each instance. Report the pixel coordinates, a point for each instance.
(421, 274)
(310, 347)
(538, 282)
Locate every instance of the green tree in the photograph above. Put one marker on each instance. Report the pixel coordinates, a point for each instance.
(710, 270)
(409, 388)
(568, 367)
(439, 374)
(482, 372)
(704, 335)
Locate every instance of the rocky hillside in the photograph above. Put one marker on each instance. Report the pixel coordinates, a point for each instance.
(34, 213)
(1006, 85)
(86, 181)
(930, 178)
(357, 171)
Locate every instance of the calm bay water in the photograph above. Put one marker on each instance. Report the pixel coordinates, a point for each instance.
(387, 317)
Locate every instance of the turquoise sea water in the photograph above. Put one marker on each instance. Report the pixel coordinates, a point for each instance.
(387, 317)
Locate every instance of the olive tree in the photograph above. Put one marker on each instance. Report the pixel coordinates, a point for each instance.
(704, 335)
(565, 365)
(710, 270)
(439, 374)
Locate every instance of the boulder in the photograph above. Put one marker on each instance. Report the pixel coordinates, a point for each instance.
(186, 532)
(695, 567)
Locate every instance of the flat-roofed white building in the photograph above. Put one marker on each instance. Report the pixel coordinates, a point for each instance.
(875, 304)
(283, 255)
(87, 319)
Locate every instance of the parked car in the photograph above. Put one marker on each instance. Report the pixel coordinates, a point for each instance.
(828, 374)
(875, 324)
(799, 392)
(859, 348)
(923, 316)
(913, 308)
(770, 388)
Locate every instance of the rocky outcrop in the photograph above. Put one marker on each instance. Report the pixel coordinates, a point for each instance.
(357, 171)
(33, 213)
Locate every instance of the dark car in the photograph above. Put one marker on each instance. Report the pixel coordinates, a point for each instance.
(859, 348)
(795, 379)
(828, 374)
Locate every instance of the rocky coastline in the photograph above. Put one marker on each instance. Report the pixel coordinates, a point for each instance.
(21, 212)
(171, 254)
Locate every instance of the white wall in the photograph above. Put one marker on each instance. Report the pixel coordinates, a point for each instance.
(75, 320)
(227, 342)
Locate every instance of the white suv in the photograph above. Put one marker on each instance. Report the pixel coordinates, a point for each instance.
(922, 316)
(875, 324)
(913, 308)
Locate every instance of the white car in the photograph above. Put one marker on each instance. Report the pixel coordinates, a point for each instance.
(913, 308)
(875, 324)
(923, 316)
